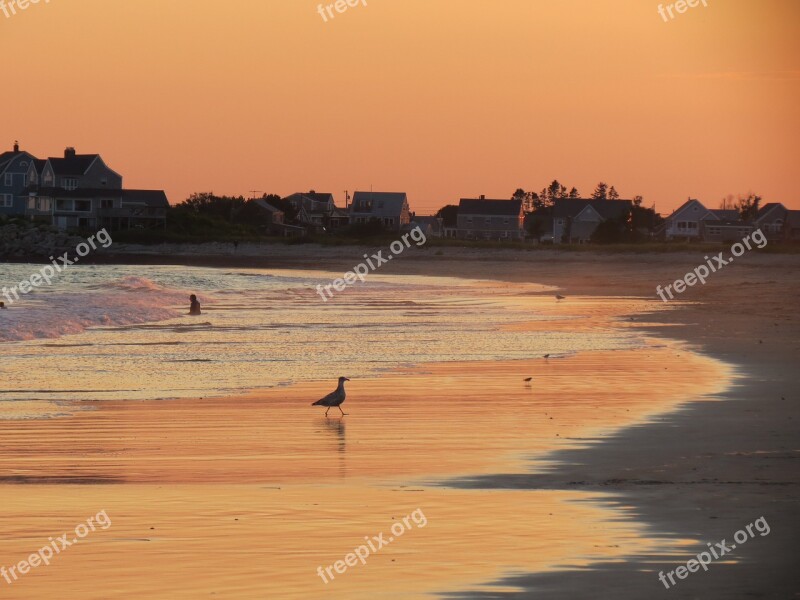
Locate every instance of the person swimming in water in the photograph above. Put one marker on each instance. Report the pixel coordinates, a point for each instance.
(2, 305)
(194, 309)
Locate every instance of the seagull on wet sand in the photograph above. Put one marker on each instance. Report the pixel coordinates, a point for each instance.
(335, 398)
(560, 297)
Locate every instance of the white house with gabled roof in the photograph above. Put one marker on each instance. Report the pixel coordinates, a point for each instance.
(684, 222)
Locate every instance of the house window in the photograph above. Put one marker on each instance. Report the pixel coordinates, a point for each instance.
(9, 179)
(63, 204)
(48, 178)
(714, 231)
(83, 206)
(106, 204)
(6, 200)
(775, 227)
(70, 183)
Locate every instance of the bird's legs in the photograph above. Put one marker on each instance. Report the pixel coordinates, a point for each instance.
(341, 411)
(326, 411)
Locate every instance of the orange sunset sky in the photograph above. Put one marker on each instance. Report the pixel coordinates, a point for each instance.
(439, 98)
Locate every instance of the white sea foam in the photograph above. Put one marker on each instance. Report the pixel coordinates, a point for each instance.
(127, 301)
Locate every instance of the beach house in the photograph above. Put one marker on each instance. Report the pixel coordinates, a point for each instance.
(317, 212)
(82, 191)
(485, 219)
(575, 219)
(693, 221)
(390, 209)
(684, 222)
(778, 223)
(18, 169)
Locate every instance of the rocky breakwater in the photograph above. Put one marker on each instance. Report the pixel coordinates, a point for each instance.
(26, 240)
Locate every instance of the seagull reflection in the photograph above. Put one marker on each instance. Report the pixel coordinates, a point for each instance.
(337, 428)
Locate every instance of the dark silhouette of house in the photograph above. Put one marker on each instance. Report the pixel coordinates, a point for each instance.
(484, 219)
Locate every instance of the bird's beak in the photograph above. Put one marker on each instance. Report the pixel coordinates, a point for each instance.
(347, 379)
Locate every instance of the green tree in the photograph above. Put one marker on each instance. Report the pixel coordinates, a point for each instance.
(748, 206)
(600, 192)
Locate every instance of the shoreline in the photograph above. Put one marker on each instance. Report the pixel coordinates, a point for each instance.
(699, 473)
(680, 476)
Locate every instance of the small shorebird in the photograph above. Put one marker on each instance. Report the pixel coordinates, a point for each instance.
(528, 379)
(335, 398)
(547, 356)
(560, 297)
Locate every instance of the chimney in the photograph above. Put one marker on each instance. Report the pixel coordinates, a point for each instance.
(69, 152)
(483, 196)
(16, 146)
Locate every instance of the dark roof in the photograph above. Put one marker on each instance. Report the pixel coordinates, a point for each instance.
(319, 196)
(608, 209)
(7, 156)
(376, 196)
(768, 207)
(315, 196)
(151, 198)
(74, 165)
(472, 206)
(378, 203)
(725, 214)
(267, 206)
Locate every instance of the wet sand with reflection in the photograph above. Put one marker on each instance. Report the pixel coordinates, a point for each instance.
(246, 497)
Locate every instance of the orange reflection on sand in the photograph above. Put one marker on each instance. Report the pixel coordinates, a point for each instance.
(438, 420)
(246, 497)
(187, 542)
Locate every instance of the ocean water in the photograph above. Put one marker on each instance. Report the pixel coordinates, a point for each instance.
(123, 332)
